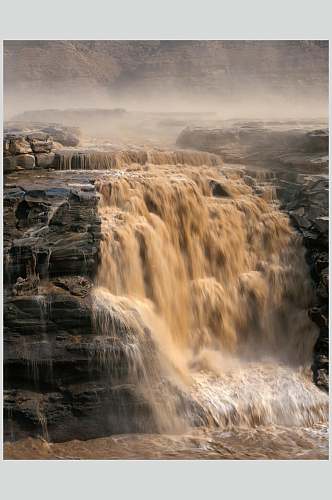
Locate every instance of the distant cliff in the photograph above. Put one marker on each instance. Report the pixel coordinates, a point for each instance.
(214, 68)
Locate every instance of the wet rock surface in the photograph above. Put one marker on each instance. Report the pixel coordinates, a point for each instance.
(52, 228)
(59, 383)
(308, 210)
(54, 381)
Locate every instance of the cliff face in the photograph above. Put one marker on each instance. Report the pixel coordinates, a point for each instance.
(226, 69)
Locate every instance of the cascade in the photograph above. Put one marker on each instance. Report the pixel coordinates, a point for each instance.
(202, 287)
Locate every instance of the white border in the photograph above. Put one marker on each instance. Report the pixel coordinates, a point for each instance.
(148, 20)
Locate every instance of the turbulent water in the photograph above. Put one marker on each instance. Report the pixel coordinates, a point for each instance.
(114, 157)
(201, 314)
(203, 289)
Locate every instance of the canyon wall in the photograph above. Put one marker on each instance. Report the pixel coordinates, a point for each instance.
(168, 74)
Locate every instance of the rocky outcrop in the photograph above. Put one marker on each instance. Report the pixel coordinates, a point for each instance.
(54, 380)
(301, 149)
(56, 384)
(59, 382)
(30, 146)
(308, 210)
(51, 229)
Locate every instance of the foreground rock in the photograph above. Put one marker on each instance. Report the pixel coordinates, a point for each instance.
(58, 382)
(51, 241)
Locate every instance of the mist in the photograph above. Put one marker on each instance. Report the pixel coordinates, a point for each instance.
(266, 80)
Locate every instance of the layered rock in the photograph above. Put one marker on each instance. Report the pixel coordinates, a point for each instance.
(301, 149)
(29, 146)
(59, 382)
(308, 208)
(51, 241)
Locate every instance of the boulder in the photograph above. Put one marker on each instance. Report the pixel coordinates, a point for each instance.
(45, 160)
(17, 145)
(26, 161)
(26, 286)
(9, 164)
(77, 285)
(322, 224)
(67, 136)
(40, 142)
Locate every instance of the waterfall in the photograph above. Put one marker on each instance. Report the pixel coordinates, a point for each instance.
(72, 159)
(203, 289)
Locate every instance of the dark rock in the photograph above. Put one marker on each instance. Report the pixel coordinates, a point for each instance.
(320, 319)
(317, 141)
(25, 161)
(45, 160)
(18, 145)
(56, 230)
(322, 224)
(76, 285)
(321, 379)
(218, 189)
(300, 220)
(309, 205)
(9, 164)
(51, 230)
(26, 286)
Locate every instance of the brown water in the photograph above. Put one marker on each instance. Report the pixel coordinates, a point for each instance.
(260, 443)
(204, 290)
(113, 157)
(210, 287)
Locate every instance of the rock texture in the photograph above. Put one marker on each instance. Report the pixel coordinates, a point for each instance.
(54, 380)
(58, 381)
(308, 210)
(28, 146)
(287, 146)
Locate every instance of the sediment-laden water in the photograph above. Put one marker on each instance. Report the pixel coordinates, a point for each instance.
(205, 287)
(203, 292)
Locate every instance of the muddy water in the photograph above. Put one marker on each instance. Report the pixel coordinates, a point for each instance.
(204, 289)
(270, 442)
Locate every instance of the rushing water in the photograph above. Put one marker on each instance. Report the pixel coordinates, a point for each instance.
(201, 300)
(204, 289)
(242, 443)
